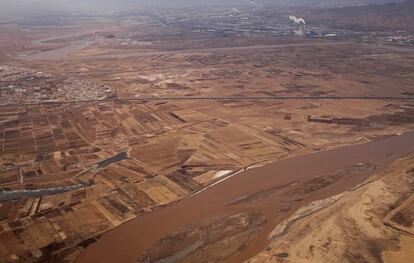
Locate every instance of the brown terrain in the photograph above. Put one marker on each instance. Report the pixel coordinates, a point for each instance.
(391, 16)
(370, 223)
(149, 141)
(268, 193)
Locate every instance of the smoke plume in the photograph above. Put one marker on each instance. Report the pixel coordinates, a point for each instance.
(301, 30)
(297, 20)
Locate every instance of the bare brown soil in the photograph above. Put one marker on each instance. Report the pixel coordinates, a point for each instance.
(370, 223)
(180, 147)
(140, 236)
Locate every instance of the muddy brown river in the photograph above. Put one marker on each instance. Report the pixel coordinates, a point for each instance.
(277, 190)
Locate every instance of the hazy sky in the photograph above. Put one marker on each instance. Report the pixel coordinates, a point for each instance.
(57, 5)
(22, 7)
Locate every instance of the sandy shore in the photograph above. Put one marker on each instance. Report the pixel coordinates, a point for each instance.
(270, 189)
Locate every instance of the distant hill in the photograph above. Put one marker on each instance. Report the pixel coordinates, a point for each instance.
(392, 16)
(10, 8)
(326, 3)
(310, 3)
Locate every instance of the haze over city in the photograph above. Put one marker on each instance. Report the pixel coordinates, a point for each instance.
(92, 6)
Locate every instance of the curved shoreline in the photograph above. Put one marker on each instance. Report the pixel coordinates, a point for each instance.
(129, 240)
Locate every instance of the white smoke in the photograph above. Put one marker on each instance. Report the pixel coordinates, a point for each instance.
(297, 20)
(301, 30)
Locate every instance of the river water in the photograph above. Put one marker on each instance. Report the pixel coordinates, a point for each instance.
(130, 240)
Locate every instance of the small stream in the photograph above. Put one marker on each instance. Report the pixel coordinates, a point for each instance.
(57, 53)
(8, 195)
(60, 52)
(113, 159)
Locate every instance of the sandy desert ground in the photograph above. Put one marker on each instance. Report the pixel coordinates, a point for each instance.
(153, 142)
